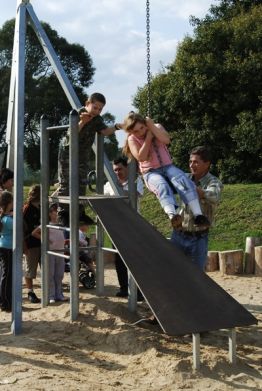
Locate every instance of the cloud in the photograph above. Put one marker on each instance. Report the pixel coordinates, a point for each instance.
(114, 34)
(182, 9)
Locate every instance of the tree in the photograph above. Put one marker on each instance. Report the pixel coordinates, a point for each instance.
(212, 92)
(43, 93)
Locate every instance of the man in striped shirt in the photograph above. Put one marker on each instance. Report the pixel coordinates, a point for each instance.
(191, 239)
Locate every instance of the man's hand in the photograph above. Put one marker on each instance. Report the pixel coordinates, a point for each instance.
(200, 192)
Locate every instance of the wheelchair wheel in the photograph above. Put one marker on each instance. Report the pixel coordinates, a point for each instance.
(87, 279)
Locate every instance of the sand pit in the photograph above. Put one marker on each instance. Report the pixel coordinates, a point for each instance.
(102, 351)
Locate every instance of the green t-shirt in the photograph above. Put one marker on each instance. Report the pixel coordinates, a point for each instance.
(87, 133)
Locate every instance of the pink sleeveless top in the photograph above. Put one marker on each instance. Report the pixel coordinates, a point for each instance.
(158, 154)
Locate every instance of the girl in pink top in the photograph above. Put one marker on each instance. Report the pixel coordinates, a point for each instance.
(147, 143)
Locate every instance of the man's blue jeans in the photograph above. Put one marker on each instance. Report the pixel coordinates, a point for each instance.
(195, 247)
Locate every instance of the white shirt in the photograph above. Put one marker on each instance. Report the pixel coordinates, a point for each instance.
(140, 187)
(56, 239)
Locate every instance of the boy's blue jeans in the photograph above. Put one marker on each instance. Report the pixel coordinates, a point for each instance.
(156, 182)
(195, 247)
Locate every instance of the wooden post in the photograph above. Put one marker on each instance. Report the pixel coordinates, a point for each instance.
(212, 263)
(251, 242)
(231, 262)
(258, 260)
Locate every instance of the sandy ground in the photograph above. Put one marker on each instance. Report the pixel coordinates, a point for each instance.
(103, 351)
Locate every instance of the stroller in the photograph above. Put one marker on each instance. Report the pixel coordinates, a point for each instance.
(87, 275)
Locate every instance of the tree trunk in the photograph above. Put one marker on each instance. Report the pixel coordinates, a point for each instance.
(212, 263)
(251, 242)
(258, 260)
(231, 262)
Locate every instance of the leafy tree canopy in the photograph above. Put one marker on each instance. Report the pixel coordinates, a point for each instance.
(211, 93)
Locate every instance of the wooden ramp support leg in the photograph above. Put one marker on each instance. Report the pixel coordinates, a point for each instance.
(196, 351)
(232, 345)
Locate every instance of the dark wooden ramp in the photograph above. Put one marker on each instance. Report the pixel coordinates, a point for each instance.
(182, 297)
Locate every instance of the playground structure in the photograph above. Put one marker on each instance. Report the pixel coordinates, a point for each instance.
(183, 298)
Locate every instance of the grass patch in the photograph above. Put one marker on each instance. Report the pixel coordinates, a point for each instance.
(239, 215)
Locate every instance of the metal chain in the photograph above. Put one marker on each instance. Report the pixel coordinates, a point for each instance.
(148, 65)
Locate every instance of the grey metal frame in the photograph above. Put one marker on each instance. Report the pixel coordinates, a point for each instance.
(15, 135)
(16, 113)
(74, 214)
(15, 159)
(44, 150)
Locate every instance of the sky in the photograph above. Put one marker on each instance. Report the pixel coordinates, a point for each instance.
(114, 34)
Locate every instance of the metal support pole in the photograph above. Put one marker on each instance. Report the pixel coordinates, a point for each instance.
(232, 345)
(196, 351)
(74, 214)
(18, 175)
(132, 192)
(44, 208)
(11, 102)
(100, 267)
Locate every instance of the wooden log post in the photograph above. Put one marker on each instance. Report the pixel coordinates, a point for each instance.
(258, 260)
(212, 263)
(251, 242)
(231, 262)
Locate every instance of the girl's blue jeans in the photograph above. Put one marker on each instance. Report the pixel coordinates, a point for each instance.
(162, 182)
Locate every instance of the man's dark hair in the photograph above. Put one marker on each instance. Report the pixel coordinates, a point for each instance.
(97, 97)
(121, 160)
(202, 151)
(5, 175)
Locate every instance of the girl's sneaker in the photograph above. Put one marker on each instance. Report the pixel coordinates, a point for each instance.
(176, 221)
(202, 221)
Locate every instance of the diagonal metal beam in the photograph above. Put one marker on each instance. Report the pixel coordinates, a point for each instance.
(66, 84)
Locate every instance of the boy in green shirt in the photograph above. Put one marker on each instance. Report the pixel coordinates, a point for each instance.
(90, 123)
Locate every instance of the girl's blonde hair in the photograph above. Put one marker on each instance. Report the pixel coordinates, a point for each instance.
(131, 120)
(129, 123)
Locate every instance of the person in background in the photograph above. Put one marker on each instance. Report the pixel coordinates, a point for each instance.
(56, 264)
(6, 250)
(86, 256)
(6, 180)
(31, 216)
(120, 168)
(191, 239)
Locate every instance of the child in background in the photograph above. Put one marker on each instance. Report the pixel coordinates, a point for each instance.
(31, 216)
(6, 244)
(86, 256)
(147, 143)
(56, 264)
(6, 180)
